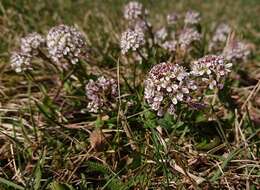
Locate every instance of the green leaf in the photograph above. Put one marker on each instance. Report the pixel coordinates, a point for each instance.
(166, 122)
(38, 173)
(60, 186)
(11, 184)
(224, 164)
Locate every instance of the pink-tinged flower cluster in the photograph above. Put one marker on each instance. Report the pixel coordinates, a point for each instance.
(170, 46)
(20, 61)
(187, 36)
(167, 85)
(220, 36)
(210, 71)
(31, 43)
(29, 47)
(131, 40)
(142, 25)
(221, 33)
(172, 18)
(236, 51)
(101, 94)
(160, 35)
(134, 10)
(192, 17)
(66, 44)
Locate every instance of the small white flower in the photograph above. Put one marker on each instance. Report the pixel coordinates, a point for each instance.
(169, 89)
(179, 96)
(175, 86)
(174, 100)
(185, 90)
(171, 109)
(212, 84)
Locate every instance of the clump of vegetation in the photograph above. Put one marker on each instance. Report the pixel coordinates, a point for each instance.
(129, 103)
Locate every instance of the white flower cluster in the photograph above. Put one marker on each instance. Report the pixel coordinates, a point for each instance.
(31, 43)
(187, 36)
(65, 43)
(166, 85)
(134, 10)
(172, 18)
(160, 35)
(29, 47)
(210, 71)
(170, 46)
(169, 84)
(221, 33)
(236, 51)
(20, 62)
(192, 17)
(131, 40)
(220, 36)
(141, 25)
(101, 93)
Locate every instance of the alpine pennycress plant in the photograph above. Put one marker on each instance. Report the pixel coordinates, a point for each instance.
(124, 107)
(175, 79)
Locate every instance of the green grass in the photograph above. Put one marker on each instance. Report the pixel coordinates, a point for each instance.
(45, 142)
